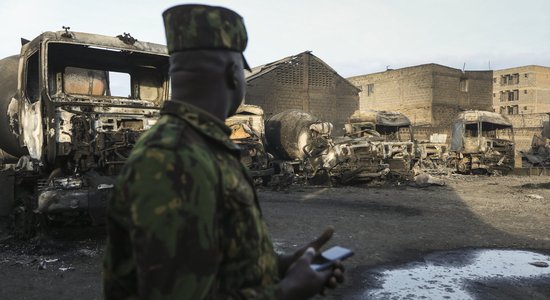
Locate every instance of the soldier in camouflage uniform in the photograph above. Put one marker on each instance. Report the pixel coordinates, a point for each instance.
(185, 222)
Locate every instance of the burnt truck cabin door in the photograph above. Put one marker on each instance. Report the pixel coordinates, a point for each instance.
(31, 105)
(457, 136)
(472, 137)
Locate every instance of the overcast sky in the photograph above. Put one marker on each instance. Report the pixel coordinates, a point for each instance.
(354, 37)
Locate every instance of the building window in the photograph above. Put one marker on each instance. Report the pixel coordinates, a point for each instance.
(370, 89)
(503, 96)
(510, 96)
(463, 84)
(504, 79)
(503, 110)
(525, 91)
(494, 80)
(513, 110)
(515, 78)
(526, 75)
(494, 95)
(509, 79)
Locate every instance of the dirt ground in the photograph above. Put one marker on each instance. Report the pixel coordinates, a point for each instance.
(386, 224)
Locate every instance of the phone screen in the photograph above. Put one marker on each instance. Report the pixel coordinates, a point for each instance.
(330, 256)
(337, 253)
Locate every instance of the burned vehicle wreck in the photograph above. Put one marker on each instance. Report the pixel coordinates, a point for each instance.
(303, 144)
(72, 106)
(299, 143)
(382, 136)
(248, 132)
(482, 142)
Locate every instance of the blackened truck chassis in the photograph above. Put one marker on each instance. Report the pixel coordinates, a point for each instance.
(72, 107)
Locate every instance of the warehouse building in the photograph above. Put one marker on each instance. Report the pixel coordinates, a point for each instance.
(305, 82)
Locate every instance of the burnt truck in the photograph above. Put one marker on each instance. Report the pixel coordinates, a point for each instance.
(388, 136)
(248, 132)
(482, 142)
(304, 144)
(299, 143)
(72, 105)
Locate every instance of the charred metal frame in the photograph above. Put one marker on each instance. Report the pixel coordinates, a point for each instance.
(78, 142)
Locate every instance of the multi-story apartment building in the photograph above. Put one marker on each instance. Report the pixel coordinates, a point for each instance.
(523, 93)
(522, 90)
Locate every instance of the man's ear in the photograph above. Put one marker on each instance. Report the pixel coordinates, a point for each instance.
(231, 76)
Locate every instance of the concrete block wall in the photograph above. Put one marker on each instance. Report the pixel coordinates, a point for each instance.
(261, 92)
(456, 91)
(428, 94)
(423, 133)
(407, 90)
(523, 138)
(306, 84)
(527, 127)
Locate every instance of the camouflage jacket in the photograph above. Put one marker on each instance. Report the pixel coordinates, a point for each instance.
(185, 221)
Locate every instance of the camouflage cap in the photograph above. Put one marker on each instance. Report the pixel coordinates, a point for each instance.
(193, 27)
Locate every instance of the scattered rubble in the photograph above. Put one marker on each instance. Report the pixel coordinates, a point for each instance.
(424, 180)
(535, 196)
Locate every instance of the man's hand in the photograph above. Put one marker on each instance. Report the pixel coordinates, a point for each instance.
(285, 261)
(299, 281)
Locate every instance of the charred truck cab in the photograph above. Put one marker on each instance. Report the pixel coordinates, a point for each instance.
(482, 142)
(248, 132)
(388, 132)
(72, 106)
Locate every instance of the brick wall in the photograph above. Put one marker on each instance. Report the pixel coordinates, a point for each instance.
(428, 94)
(306, 84)
(423, 133)
(527, 127)
(456, 91)
(408, 91)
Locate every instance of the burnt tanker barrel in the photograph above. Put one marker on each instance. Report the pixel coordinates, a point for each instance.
(8, 87)
(287, 133)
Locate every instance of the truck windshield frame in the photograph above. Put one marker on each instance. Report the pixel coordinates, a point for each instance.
(83, 73)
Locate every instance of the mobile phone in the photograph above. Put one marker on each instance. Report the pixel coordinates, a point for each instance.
(330, 256)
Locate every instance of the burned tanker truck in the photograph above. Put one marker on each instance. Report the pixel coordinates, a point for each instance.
(303, 144)
(299, 143)
(482, 142)
(72, 105)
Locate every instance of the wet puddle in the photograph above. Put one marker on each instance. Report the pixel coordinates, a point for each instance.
(447, 275)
